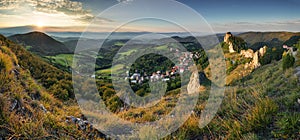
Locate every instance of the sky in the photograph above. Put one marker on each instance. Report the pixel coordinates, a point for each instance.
(220, 15)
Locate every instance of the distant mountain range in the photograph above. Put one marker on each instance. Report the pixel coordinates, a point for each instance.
(91, 35)
(254, 37)
(44, 44)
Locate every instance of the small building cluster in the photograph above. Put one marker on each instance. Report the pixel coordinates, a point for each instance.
(185, 59)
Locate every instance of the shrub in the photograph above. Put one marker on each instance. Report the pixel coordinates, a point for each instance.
(287, 61)
(108, 93)
(260, 116)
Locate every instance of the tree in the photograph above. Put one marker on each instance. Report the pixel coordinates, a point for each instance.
(287, 61)
(297, 45)
(238, 43)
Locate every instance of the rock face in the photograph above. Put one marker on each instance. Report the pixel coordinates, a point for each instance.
(262, 51)
(255, 62)
(227, 36)
(255, 57)
(231, 50)
(247, 53)
(194, 84)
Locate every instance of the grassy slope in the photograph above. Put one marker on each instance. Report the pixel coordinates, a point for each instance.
(111, 70)
(65, 60)
(27, 120)
(264, 107)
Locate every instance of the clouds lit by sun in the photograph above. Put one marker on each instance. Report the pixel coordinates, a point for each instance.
(76, 15)
(43, 13)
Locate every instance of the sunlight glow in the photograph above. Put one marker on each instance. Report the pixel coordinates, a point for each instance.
(40, 24)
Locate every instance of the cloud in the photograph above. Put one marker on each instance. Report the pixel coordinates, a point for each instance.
(125, 1)
(67, 7)
(59, 6)
(286, 22)
(274, 25)
(98, 20)
(9, 4)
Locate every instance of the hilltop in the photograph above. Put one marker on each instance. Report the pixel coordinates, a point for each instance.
(40, 43)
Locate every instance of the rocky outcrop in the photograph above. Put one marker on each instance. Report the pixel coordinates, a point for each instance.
(250, 53)
(84, 125)
(247, 53)
(231, 50)
(255, 61)
(227, 36)
(194, 84)
(262, 51)
(255, 57)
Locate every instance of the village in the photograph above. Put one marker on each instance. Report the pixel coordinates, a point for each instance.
(185, 59)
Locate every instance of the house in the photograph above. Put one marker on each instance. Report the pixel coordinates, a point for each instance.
(166, 79)
(181, 70)
(135, 76)
(133, 81)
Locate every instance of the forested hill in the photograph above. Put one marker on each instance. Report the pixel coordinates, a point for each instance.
(40, 43)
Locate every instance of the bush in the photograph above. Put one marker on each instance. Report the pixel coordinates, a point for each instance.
(114, 103)
(108, 93)
(260, 116)
(287, 61)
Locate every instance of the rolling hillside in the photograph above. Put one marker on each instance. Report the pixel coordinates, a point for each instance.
(36, 99)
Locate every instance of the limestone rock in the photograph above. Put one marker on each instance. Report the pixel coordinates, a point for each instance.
(231, 50)
(226, 40)
(255, 62)
(255, 57)
(194, 84)
(262, 51)
(247, 53)
(227, 36)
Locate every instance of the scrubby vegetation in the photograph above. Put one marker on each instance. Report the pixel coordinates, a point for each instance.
(238, 43)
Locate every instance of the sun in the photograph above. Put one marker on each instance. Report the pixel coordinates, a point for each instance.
(40, 24)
